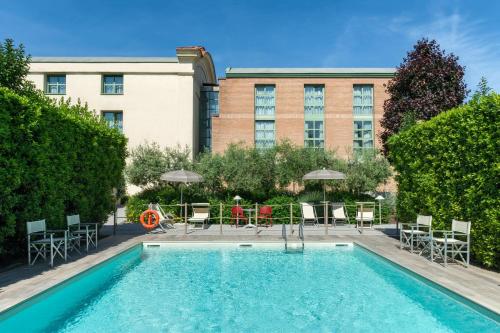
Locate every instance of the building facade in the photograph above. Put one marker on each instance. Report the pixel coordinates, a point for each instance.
(150, 99)
(339, 109)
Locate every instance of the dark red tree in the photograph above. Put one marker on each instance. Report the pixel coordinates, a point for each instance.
(427, 83)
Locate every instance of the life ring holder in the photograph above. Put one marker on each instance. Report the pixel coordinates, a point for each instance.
(150, 219)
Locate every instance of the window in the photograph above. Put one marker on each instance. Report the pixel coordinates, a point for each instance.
(313, 101)
(264, 133)
(209, 106)
(363, 100)
(314, 134)
(112, 84)
(314, 105)
(114, 119)
(55, 85)
(363, 134)
(363, 117)
(265, 107)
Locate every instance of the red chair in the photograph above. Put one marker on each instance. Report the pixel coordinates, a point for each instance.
(237, 214)
(266, 214)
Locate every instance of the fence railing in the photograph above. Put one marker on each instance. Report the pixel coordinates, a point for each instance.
(250, 214)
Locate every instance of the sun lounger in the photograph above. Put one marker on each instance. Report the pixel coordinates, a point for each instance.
(201, 215)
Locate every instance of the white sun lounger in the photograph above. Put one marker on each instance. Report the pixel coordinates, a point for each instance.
(339, 213)
(363, 215)
(308, 213)
(201, 215)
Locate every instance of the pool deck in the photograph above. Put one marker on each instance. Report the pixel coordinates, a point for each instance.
(478, 285)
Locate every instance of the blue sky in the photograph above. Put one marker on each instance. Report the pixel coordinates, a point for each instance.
(261, 33)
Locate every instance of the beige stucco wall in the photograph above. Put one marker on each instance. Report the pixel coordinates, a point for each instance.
(156, 107)
(160, 100)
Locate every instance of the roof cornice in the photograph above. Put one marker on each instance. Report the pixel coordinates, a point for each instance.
(310, 72)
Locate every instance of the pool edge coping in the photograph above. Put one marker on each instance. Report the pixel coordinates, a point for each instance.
(475, 305)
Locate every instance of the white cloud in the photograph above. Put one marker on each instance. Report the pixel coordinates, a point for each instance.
(478, 50)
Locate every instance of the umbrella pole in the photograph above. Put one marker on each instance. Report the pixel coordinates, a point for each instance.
(181, 200)
(325, 209)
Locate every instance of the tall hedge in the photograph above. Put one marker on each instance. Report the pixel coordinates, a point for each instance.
(449, 167)
(55, 159)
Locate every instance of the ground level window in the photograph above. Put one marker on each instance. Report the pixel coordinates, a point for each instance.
(363, 134)
(264, 133)
(314, 134)
(114, 119)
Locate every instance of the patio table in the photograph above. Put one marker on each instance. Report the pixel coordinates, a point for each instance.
(250, 211)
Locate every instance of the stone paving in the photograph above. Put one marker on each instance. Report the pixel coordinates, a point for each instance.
(478, 285)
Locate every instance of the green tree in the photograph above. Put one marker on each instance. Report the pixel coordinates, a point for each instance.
(482, 88)
(14, 67)
(365, 173)
(426, 83)
(146, 166)
(150, 161)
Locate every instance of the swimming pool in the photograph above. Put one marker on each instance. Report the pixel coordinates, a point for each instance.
(228, 288)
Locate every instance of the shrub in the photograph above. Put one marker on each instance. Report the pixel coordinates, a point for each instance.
(55, 160)
(149, 162)
(449, 167)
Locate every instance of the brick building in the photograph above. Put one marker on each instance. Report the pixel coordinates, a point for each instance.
(337, 108)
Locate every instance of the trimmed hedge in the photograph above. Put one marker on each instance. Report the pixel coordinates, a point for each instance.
(55, 160)
(449, 167)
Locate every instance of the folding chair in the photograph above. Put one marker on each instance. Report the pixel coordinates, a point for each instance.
(308, 213)
(167, 219)
(455, 243)
(86, 231)
(39, 238)
(339, 213)
(417, 234)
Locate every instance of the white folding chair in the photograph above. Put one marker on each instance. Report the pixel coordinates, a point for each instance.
(39, 238)
(454, 243)
(308, 213)
(417, 234)
(339, 213)
(201, 214)
(86, 231)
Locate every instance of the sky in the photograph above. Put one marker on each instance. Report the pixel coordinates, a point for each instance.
(259, 33)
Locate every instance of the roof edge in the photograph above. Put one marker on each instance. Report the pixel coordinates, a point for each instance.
(310, 72)
(104, 59)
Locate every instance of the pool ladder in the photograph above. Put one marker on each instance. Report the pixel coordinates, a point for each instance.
(284, 234)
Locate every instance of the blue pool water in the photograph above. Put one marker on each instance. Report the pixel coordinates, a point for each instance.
(232, 289)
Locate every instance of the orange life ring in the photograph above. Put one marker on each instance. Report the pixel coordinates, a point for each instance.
(153, 218)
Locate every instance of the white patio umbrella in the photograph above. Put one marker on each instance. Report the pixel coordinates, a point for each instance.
(181, 176)
(324, 174)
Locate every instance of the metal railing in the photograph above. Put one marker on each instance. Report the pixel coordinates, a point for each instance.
(283, 234)
(283, 213)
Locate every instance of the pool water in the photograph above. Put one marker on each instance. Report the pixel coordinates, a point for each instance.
(227, 288)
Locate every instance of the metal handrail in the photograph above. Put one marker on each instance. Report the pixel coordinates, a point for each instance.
(301, 234)
(283, 234)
